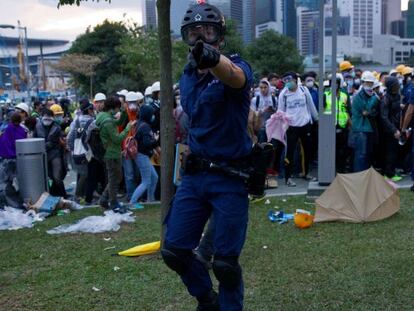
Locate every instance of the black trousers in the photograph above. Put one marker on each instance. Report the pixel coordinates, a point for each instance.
(96, 175)
(293, 135)
(342, 150)
(391, 154)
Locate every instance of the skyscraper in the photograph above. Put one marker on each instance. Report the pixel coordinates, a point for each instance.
(410, 19)
(289, 18)
(309, 4)
(269, 15)
(249, 20)
(150, 14)
(366, 17)
(391, 11)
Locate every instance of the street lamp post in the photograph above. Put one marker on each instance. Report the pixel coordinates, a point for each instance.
(26, 58)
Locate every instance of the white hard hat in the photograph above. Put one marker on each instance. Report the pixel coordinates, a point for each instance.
(140, 96)
(8, 101)
(99, 97)
(148, 91)
(24, 107)
(2, 101)
(123, 92)
(155, 87)
(377, 84)
(368, 76)
(131, 97)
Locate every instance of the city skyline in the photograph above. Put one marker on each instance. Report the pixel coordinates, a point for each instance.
(44, 20)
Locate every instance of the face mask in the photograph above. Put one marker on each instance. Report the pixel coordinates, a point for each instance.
(357, 81)
(290, 85)
(47, 121)
(132, 107)
(350, 83)
(59, 119)
(369, 90)
(152, 118)
(401, 81)
(353, 74)
(178, 102)
(310, 84)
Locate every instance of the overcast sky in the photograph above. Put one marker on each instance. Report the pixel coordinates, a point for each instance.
(44, 20)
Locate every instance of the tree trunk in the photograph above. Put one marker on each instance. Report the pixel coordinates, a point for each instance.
(167, 122)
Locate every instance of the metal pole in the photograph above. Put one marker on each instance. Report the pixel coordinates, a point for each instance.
(321, 54)
(333, 68)
(27, 63)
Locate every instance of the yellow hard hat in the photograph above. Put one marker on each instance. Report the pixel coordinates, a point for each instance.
(400, 68)
(345, 65)
(407, 71)
(56, 109)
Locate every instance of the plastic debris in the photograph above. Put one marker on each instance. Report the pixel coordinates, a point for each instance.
(280, 217)
(95, 224)
(264, 246)
(116, 268)
(107, 239)
(14, 219)
(284, 200)
(96, 289)
(108, 248)
(267, 201)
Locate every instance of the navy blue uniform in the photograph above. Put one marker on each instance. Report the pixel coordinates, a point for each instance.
(408, 99)
(218, 132)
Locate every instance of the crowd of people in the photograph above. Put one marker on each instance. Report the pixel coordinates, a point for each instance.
(112, 143)
(373, 119)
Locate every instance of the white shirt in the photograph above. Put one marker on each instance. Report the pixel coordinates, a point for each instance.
(298, 106)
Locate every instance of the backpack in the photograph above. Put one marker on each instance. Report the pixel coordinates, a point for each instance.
(95, 143)
(81, 152)
(131, 145)
(258, 102)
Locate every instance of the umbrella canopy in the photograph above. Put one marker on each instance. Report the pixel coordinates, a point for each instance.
(358, 197)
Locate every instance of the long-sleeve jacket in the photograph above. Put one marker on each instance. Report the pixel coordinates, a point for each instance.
(53, 136)
(391, 112)
(110, 137)
(362, 102)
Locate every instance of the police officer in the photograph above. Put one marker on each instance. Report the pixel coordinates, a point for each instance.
(215, 96)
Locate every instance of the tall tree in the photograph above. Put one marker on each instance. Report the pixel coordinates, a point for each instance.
(273, 52)
(233, 40)
(167, 121)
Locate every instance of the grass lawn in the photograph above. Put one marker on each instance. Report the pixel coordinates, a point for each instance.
(334, 266)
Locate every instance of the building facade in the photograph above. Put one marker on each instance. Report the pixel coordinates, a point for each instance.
(392, 50)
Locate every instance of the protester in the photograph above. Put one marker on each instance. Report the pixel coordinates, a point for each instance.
(133, 101)
(182, 121)
(364, 110)
(78, 129)
(391, 112)
(24, 111)
(98, 101)
(266, 105)
(48, 129)
(156, 105)
(298, 105)
(111, 139)
(146, 141)
(37, 108)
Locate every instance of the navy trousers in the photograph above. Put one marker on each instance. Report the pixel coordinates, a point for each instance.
(199, 196)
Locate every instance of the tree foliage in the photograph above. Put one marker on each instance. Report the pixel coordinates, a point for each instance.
(273, 52)
(101, 41)
(77, 2)
(77, 64)
(233, 40)
(140, 55)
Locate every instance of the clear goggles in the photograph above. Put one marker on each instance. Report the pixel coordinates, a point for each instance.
(287, 79)
(208, 33)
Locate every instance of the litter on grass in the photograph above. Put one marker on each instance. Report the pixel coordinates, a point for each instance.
(279, 216)
(95, 224)
(116, 268)
(13, 218)
(267, 201)
(96, 289)
(108, 248)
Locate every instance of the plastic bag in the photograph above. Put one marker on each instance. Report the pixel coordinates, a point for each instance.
(13, 219)
(95, 224)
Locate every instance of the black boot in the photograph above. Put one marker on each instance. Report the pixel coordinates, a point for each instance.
(209, 302)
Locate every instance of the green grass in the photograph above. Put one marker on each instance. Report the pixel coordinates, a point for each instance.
(333, 266)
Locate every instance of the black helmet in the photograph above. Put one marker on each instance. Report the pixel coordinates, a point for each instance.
(203, 14)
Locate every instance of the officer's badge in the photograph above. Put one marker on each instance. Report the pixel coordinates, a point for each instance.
(197, 18)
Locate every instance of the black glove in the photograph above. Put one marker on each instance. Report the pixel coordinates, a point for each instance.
(204, 56)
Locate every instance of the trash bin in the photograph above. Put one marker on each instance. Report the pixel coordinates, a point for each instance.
(31, 168)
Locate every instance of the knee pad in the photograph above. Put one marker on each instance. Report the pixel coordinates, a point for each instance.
(177, 259)
(227, 271)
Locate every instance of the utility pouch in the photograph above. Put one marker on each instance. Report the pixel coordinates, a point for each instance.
(261, 158)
